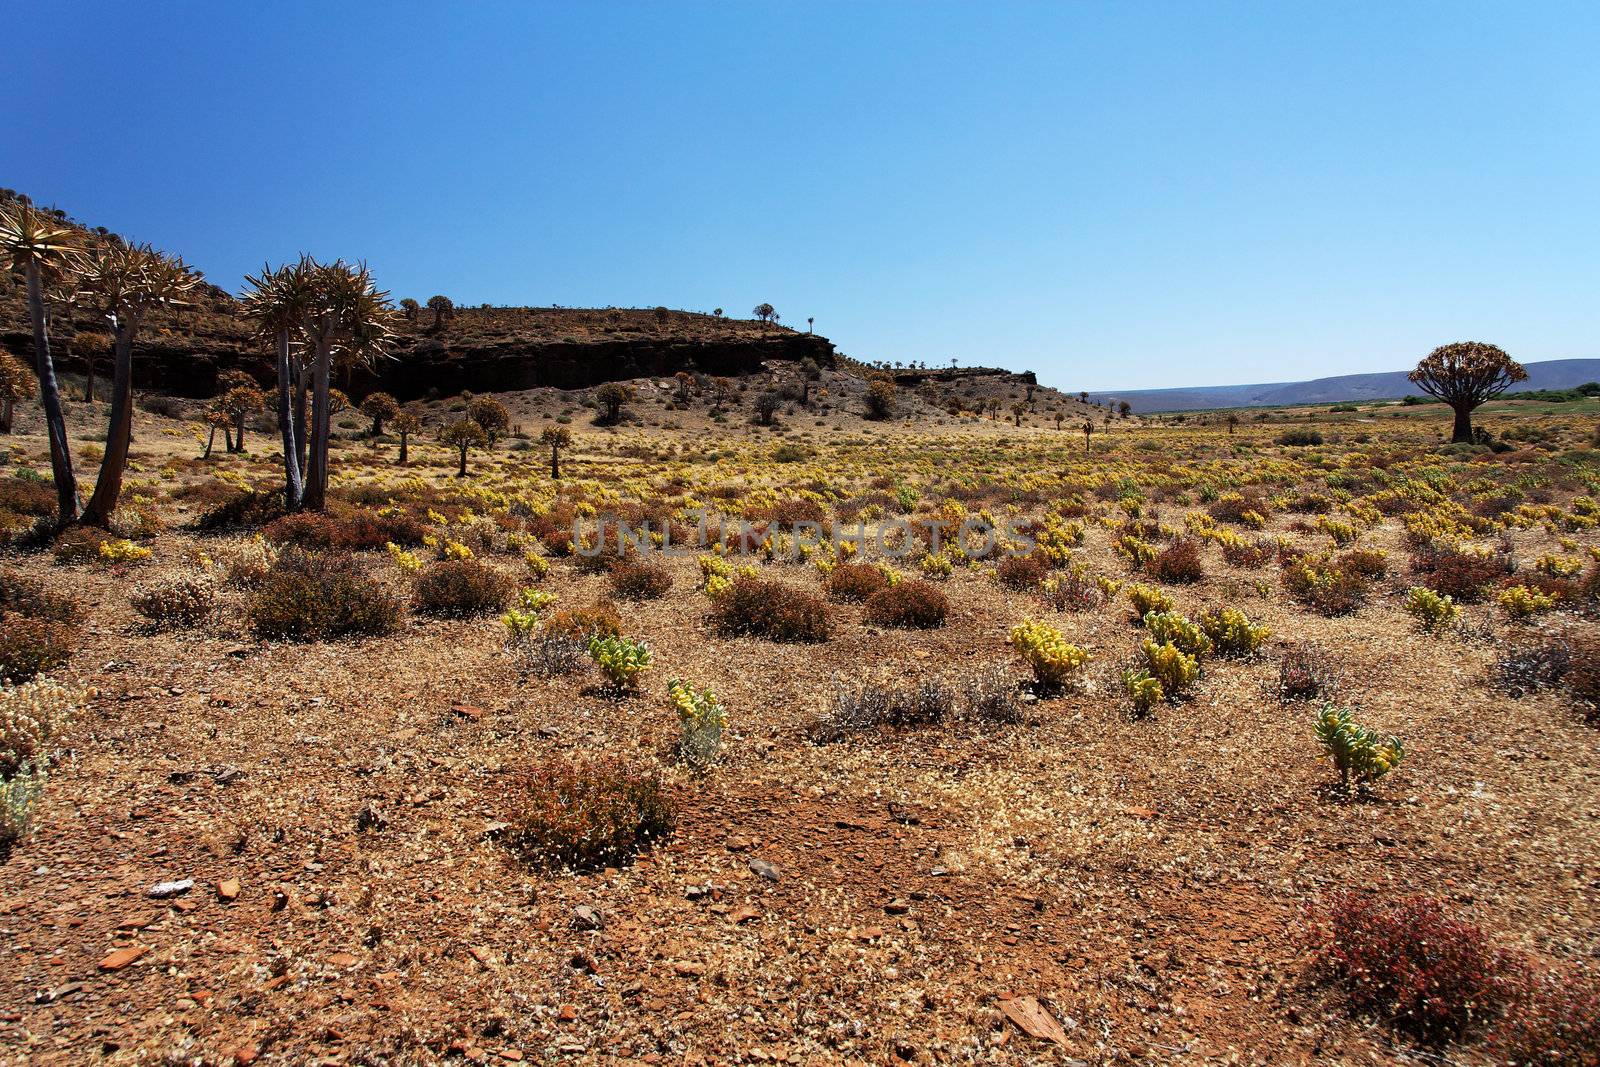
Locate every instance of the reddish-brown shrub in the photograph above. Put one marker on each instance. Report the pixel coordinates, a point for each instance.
(1178, 563)
(249, 508)
(354, 531)
(1462, 576)
(587, 815)
(597, 619)
(1552, 1019)
(785, 513)
(1365, 562)
(1410, 964)
(640, 580)
(81, 544)
(21, 595)
(772, 610)
(855, 581)
(1022, 572)
(1583, 670)
(29, 646)
(912, 603)
(1248, 554)
(1231, 508)
(310, 596)
(461, 587)
(1325, 587)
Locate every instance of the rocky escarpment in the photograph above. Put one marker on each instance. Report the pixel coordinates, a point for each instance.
(481, 349)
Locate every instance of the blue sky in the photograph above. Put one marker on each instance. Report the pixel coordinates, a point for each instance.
(1113, 195)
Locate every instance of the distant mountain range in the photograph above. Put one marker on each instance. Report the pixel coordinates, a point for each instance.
(1387, 385)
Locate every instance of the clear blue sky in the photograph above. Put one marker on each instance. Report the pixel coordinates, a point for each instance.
(1113, 195)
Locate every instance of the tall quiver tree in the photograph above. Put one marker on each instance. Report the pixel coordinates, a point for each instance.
(276, 302)
(126, 283)
(349, 320)
(1465, 375)
(45, 250)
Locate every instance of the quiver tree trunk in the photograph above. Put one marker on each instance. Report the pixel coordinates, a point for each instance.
(119, 432)
(1463, 428)
(293, 484)
(50, 399)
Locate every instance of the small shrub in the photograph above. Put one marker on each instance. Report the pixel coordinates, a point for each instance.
(587, 815)
(1521, 602)
(761, 608)
(1410, 964)
(31, 717)
(1305, 672)
(1583, 676)
(1551, 1019)
(1053, 660)
(913, 604)
(620, 659)
(1073, 590)
(1147, 598)
(1370, 563)
(1175, 669)
(18, 795)
(1178, 563)
(1432, 611)
(247, 563)
(1325, 587)
(250, 508)
(1169, 627)
(1022, 572)
(1143, 690)
(462, 587)
(357, 531)
(989, 696)
(1299, 438)
(551, 655)
(1460, 574)
(1232, 633)
(1248, 554)
(701, 720)
(186, 600)
(1532, 668)
(855, 581)
(21, 595)
(639, 580)
(30, 646)
(312, 596)
(580, 624)
(1356, 750)
(120, 550)
(81, 544)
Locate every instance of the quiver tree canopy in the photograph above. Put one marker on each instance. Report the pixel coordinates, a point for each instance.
(1465, 375)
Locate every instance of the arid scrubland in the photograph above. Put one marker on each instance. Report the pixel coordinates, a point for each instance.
(1272, 740)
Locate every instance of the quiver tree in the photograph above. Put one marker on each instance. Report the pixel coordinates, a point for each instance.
(880, 398)
(462, 435)
(377, 407)
(348, 319)
(685, 382)
(125, 283)
(1465, 375)
(490, 414)
(90, 344)
(765, 313)
(767, 405)
(240, 403)
(1088, 432)
(45, 250)
(16, 383)
(217, 419)
(409, 308)
(405, 424)
(611, 396)
(557, 437)
(721, 392)
(442, 307)
(277, 304)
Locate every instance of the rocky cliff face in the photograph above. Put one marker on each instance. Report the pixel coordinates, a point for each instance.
(481, 349)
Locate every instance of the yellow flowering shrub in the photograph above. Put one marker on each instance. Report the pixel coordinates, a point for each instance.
(1042, 647)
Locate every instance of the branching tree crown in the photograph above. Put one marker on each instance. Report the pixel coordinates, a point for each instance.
(1465, 375)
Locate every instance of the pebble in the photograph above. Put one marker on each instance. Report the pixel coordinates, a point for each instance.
(587, 918)
(163, 890)
(765, 869)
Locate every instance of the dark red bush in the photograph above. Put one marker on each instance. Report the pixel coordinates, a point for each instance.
(912, 603)
(855, 581)
(639, 580)
(1178, 563)
(461, 587)
(355, 531)
(587, 815)
(1022, 572)
(1409, 963)
(1462, 576)
(773, 610)
(311, 596)
(1552, 1019)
